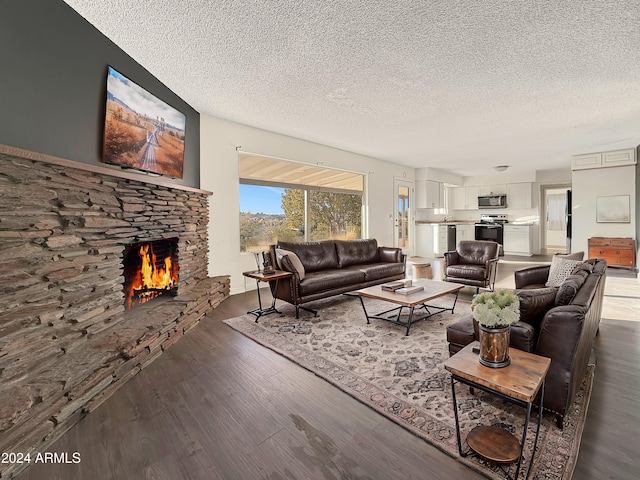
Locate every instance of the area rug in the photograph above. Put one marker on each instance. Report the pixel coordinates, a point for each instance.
(402, 377)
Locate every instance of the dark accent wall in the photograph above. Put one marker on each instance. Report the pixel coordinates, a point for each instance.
(66, 342)
(53, 85)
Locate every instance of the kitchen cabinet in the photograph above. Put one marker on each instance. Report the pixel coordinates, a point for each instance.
(465, 232)
(435, 194)
(519, 239)
(472, 197)
(618, 252)
(465, 198)
(430, 194)
(588, 160)
(424, 240)
(519, 195)
(421, 194)
(458, 198)
(493, 189)
(619, 157)
(612, 158)
(440, 237)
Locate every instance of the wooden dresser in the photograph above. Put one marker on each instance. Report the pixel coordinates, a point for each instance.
(618, 252)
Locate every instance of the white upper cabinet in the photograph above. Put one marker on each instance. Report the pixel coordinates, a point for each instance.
(465, 198)
(472, 197)
(421, 194)
(430, 194)
(493, 189)
(613, 158)
(458, 198)
(619, 157)
(519, 195)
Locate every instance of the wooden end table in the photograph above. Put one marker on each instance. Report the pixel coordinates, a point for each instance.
(517, 383)
(266, 277)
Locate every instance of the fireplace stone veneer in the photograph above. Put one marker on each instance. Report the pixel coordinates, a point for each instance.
(66, 341)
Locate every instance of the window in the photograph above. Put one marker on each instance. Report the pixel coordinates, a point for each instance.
(287, 201)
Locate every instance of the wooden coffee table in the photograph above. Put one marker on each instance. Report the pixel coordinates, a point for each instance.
(517, 383)
(415, 301)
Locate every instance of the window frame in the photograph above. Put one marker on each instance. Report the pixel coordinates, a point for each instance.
(307, 188)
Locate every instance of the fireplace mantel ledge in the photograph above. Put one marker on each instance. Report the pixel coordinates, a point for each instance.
(63, 162)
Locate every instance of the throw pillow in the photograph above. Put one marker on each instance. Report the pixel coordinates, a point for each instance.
(561, 268)
(569, 288)
(293, 258)
(583, 267)
(572, 256)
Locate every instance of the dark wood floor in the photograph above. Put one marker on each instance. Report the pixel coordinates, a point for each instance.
(218, 406)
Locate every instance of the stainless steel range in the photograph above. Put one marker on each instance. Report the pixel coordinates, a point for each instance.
(491, 227)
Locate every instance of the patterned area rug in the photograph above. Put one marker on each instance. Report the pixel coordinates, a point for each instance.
(403, 378)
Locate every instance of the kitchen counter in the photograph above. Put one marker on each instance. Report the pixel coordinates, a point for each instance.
(453, 222)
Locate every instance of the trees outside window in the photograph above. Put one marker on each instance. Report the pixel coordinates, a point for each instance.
(305, 214)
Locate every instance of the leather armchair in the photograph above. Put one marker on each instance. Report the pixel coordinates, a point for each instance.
(474, 263)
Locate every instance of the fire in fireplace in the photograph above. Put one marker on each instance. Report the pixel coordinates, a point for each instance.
(150, 270)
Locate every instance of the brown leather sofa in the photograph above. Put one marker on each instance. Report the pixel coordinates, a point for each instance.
(332, 267)
(556, 322)
(474, 263)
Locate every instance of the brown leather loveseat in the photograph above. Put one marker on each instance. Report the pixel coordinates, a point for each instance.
(331, 267)
(555, 322)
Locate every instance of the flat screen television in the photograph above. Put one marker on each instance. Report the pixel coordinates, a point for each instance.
(141, 131)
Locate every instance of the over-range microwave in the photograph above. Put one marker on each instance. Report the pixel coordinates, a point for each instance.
(492, 201)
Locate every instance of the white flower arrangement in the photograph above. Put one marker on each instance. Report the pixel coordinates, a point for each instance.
(496, 309)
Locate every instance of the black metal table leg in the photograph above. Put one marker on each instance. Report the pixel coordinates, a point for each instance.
(259, 312)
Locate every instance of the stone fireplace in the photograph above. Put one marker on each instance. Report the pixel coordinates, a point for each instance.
(67, 340)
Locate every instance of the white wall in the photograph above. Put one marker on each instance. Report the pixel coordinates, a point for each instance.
(586, 186)
(219, 174)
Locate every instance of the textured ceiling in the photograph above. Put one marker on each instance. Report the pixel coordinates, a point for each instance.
(455, 85)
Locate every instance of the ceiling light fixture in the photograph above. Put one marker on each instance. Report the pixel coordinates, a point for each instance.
(500, 168)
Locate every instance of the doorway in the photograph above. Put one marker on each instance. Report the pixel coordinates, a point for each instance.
(403, 199)
(556, 219)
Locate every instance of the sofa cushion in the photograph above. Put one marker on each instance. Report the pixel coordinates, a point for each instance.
(468, 271)
(316, 282)
(355, 252)
(561, 268)
(377, 271)
(314, 256)
(293, 265)
(569, 288)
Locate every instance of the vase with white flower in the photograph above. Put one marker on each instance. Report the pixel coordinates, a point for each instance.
(495, 312)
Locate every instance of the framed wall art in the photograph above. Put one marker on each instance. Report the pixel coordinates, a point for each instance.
(141, 131)
(613, 209)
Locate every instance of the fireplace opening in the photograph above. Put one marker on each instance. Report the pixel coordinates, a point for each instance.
(150, 271)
